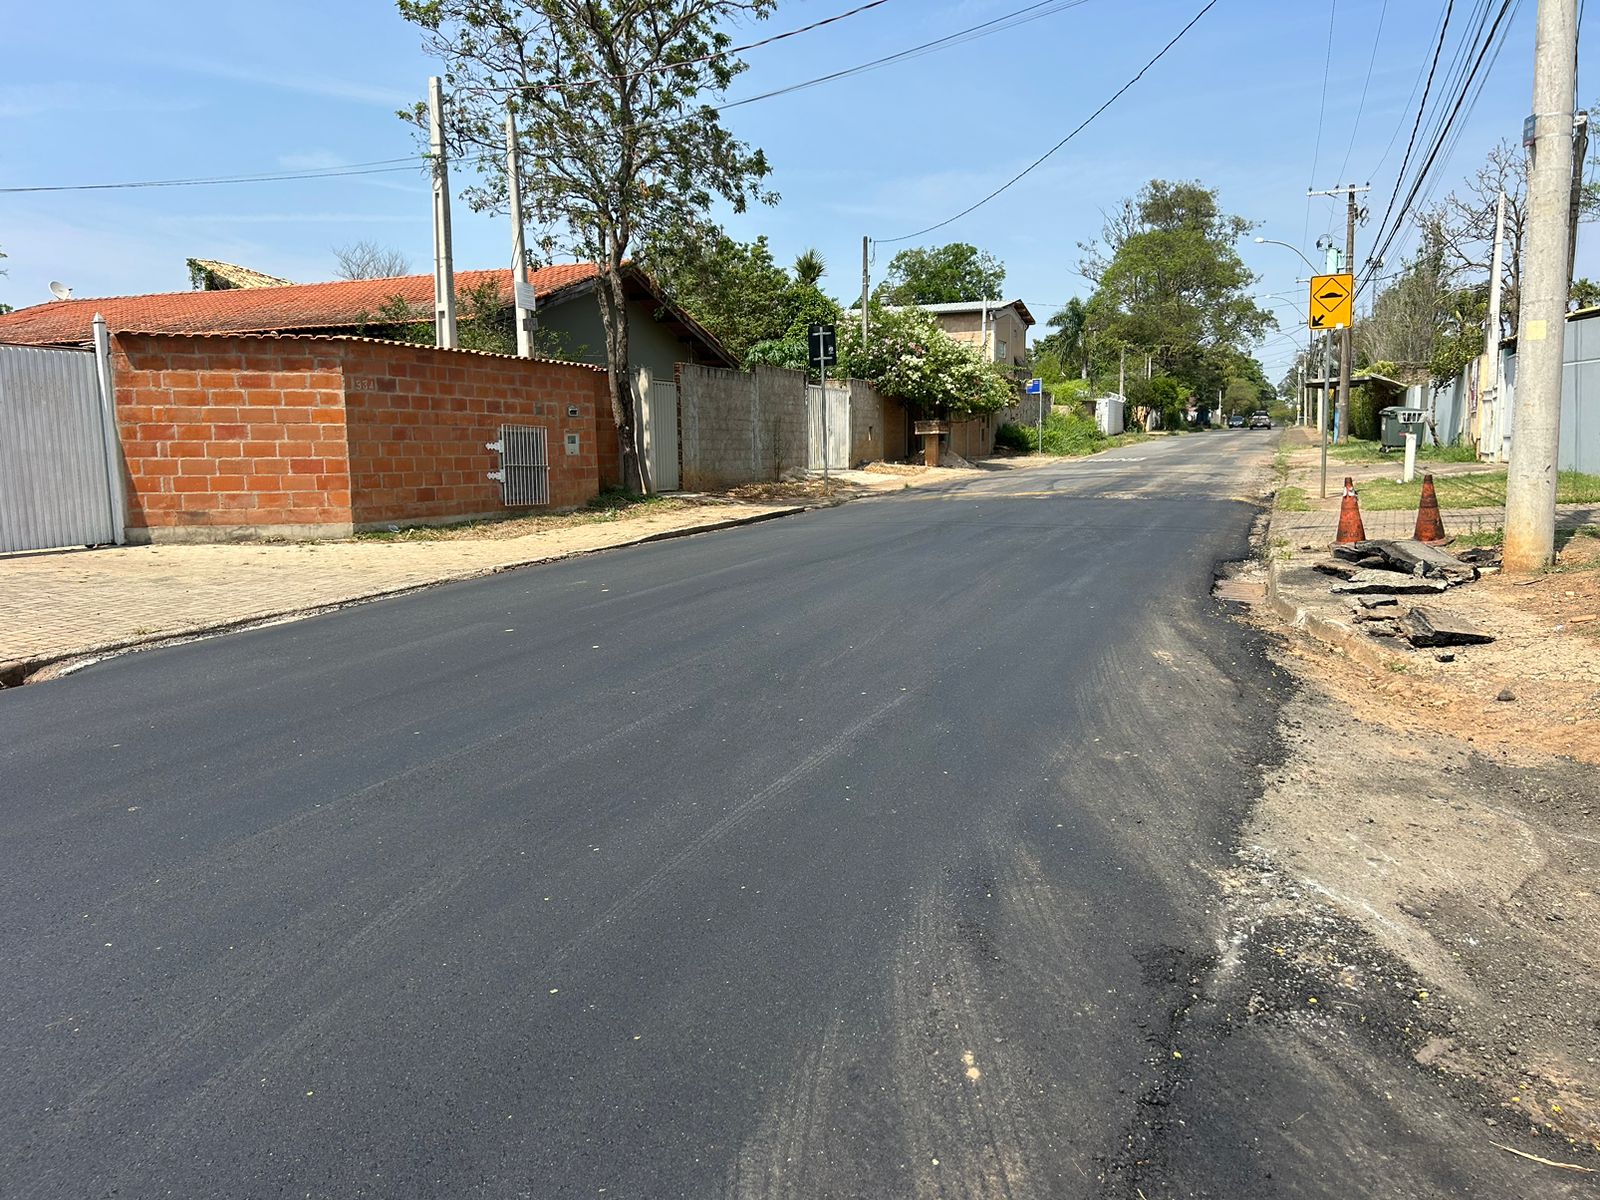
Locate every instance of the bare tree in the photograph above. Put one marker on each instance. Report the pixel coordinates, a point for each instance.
(368, 260)
(1462, 226)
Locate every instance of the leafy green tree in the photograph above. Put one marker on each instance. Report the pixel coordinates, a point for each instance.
(733, 288)
(610, 101)
(942, 275)
(907, 355)
(1170, 283)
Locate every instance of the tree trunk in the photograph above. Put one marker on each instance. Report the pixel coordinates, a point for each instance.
(619, 375)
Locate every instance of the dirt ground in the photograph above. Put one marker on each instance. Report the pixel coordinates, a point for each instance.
(1426, 844)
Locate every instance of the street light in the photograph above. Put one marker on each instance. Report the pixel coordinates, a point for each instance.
(1274, 242)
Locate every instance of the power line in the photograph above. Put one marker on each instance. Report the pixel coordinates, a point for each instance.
(1080, 128)
(1448, 131)
(1361, 105)
(1011, 20)
(1322, 107)
(689, 62)
(377, 167)
(1432, 67)
(994, 25)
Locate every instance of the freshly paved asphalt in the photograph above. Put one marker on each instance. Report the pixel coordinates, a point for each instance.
(865, 853)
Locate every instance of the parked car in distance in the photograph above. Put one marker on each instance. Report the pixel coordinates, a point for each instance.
(1236, 421)
(1260, 420)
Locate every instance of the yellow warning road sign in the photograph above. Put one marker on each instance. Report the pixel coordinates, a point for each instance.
(1331, 299)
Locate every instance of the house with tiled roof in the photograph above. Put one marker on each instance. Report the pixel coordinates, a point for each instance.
(661, 334)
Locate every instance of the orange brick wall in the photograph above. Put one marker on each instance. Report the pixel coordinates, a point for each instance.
(247, 434)
(224, 433)
(420, 419)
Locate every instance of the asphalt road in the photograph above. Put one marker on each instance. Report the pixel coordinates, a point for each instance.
(868, 853)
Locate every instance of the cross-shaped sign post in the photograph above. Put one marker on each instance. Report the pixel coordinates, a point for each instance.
(823, 349)
(1035, 387)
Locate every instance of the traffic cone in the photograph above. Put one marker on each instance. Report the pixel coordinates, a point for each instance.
(1351, 530)
(1430, 528)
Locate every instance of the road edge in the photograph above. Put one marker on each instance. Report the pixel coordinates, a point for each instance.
(19, 672)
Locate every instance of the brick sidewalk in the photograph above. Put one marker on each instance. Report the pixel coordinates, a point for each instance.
(63, 604)
(1322, 522)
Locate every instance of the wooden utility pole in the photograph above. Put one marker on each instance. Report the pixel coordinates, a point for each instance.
(1546, 285)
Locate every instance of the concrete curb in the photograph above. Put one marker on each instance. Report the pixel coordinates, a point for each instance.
(19, 671)
(1333, 633)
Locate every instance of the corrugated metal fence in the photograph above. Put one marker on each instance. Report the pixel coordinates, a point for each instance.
(60, 472)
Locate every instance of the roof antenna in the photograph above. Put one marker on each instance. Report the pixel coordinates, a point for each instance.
(60, 290)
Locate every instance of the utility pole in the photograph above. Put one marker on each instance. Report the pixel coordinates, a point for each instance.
(1546, 284)
(444, 274)
(1490, 430)
(866, 283)
(519, 252)
(1347, 344)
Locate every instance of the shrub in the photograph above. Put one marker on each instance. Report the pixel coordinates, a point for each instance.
(1012, 436)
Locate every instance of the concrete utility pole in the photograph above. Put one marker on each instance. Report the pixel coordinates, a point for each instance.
(519, 251)
(444, 273)
(1546, 284)
(1489, 429)
(866, 283)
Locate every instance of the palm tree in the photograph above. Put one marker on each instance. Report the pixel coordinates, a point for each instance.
(810, 267)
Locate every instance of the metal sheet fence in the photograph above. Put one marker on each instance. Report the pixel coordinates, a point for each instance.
(60, 481)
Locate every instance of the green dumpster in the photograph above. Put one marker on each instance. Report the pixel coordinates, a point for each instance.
(1397, 421)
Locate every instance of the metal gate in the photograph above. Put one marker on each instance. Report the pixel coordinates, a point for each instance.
(524, 472)
(60, 464)
(658, 429)
(838, 427)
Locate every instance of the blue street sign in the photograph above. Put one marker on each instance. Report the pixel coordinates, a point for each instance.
(1035, 387)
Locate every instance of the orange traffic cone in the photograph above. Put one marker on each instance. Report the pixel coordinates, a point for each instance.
(1430, 528)
(1351, 529)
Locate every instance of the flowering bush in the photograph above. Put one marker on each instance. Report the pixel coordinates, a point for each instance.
(907, 355)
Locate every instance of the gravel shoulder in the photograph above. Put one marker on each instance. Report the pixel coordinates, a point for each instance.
(1425, 863)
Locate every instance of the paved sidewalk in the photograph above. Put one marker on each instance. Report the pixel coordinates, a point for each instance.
(57, 605)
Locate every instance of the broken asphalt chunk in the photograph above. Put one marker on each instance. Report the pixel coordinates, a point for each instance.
(1388, 581)
(1431, 627)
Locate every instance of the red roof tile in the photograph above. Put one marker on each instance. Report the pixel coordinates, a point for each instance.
(261, 309)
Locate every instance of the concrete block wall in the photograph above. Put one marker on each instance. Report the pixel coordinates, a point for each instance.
(230, 436)
(781, 426)
(717, 427)
(420, 421)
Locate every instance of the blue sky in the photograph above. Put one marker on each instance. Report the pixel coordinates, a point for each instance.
(182, 89)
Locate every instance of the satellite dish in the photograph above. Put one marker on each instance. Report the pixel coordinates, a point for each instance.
(60, 290)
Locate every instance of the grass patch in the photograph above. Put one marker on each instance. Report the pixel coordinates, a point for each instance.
(1482, 490)
(613, 504)
(1360, 450)
(1478, 538)
(1291, 499)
